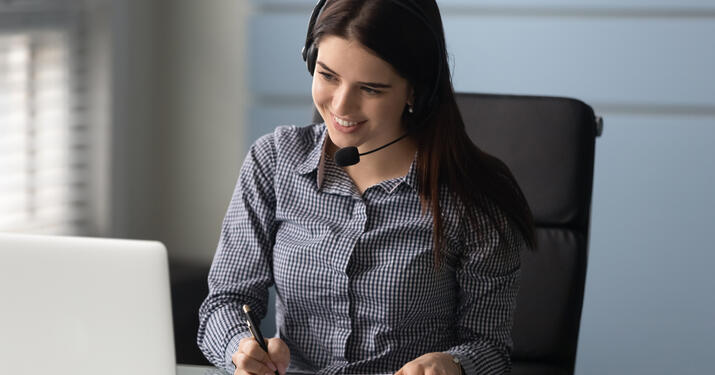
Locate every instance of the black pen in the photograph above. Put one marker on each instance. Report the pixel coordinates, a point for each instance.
(255, 331)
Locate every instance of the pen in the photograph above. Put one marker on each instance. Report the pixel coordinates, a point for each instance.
(255, 331)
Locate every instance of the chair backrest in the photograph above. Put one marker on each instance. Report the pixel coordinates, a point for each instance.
(549, 144)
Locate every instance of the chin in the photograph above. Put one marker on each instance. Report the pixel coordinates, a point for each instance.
(337, 139)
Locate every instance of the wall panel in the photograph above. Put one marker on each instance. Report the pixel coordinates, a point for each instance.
(600, 60)
(447, 5)
(651, 257)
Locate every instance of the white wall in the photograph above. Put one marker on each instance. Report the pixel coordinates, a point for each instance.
(178, 114)
(204, 98)
(134, 182)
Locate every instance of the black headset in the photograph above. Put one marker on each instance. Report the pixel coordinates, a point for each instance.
(310, 50)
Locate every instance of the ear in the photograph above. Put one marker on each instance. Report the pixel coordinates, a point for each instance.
(411, 95)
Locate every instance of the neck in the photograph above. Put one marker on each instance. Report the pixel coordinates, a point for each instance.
(390, 162)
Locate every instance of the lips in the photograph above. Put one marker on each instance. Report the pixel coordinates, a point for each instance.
(344, 125)
(345, 122)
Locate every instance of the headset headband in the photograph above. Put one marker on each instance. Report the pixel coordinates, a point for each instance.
(310, 50)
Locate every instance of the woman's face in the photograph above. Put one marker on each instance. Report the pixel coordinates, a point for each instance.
(360, 96)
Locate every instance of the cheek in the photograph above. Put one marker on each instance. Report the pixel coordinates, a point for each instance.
(319, 92)
(390, 111)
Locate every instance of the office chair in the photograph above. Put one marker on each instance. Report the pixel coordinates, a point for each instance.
(549, 145)
(189, 287)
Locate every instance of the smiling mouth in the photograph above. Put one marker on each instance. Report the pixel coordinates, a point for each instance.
(345, 123)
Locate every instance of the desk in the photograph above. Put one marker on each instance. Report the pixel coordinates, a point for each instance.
(199, 370)
(208, 370)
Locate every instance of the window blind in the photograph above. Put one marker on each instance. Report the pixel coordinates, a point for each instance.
(43, 132)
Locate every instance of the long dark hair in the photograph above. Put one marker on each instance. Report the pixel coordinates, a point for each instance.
(408, 34)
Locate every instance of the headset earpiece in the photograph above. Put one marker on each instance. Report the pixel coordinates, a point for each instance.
(311, 56)
(310, 50)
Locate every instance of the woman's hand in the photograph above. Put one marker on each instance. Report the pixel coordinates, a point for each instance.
(251, 359)
(431, 364)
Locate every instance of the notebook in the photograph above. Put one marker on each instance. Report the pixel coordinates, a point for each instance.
(71, 305)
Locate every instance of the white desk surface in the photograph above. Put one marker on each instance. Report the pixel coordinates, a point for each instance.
(208, 370)
(198, 370)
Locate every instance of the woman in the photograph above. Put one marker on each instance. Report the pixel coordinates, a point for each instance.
(407, 261)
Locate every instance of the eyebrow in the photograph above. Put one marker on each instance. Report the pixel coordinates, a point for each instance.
(371, 84)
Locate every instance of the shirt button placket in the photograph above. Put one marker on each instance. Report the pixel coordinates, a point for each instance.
(341, 297)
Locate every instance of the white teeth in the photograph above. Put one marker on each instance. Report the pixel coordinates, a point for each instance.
(344, 123)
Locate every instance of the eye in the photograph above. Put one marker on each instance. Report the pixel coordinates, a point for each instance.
(370, 91)
(327, 76)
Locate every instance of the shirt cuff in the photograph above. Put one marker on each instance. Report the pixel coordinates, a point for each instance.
(232, 348)
(467, 364)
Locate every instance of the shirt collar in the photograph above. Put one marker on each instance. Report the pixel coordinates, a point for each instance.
(410, 179)
(314, 158)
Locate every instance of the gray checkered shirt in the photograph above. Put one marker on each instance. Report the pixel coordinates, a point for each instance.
(357, 290)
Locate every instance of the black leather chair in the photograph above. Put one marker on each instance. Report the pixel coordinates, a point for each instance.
(549, 144)
(189, 287)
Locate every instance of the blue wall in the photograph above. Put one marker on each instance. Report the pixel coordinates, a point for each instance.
(647, 67)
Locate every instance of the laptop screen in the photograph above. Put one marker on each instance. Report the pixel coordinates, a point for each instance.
(74, 305)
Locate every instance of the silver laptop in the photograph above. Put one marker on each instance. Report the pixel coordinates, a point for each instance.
(71, 305)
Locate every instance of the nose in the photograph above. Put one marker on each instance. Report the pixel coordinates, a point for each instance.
(345, 101)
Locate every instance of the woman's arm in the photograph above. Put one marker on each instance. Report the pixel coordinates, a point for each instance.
(241, 271)
(489, 283)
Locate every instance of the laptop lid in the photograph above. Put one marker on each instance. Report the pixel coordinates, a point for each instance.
(71, 305)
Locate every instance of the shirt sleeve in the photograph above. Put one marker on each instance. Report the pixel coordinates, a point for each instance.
(489, 283)
(241, 272)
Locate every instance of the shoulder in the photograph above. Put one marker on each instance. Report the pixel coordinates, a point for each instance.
(286, 143)
(277, 154)
(294, 140)
(289, 140)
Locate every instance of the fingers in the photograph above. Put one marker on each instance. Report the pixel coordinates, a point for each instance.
(407, 369)
(247, 365)
(279, 354)
(251, 359)
(419, 370)
(437, 363)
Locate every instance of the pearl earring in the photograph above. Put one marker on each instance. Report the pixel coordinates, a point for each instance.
(410, 108)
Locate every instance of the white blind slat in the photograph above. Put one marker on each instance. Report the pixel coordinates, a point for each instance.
(43, 162)
(47, 198)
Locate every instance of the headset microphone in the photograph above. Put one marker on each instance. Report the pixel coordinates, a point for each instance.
(348, 156)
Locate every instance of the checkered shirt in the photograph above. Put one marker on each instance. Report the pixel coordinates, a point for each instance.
(357, 290)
